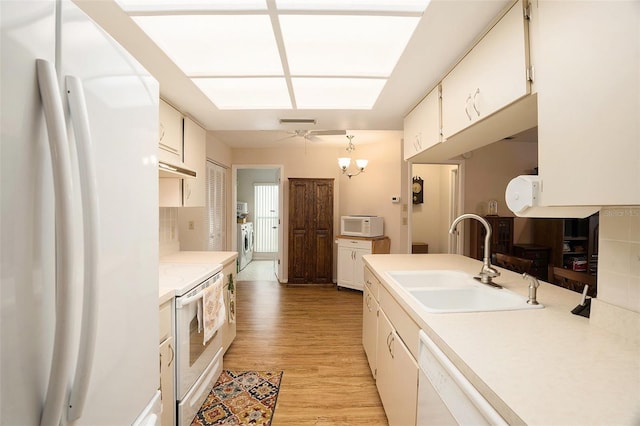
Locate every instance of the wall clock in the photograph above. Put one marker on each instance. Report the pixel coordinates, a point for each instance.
(418, 190)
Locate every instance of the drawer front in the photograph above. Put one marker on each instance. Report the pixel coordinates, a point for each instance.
(406, 328)
(355, 244)
(165, 320)
(372, 283)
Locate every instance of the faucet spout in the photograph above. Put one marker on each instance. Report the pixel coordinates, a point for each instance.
(487, 273)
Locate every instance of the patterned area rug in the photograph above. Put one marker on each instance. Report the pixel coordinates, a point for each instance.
(241, 398)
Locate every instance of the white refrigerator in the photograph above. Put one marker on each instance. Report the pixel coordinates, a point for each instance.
(79, 223)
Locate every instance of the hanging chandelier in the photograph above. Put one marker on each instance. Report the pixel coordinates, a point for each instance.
(345, 162)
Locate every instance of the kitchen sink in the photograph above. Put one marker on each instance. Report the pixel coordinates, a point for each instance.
(445, 291)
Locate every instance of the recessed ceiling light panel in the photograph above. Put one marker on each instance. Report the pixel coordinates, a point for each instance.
(364, 5)
(337, 93)
(190, 5)
(216, 45)
(246, 93)
(366, 46)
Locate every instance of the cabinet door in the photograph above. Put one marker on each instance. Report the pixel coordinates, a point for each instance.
(346, 263)
(370, 328)
(358, 267)
(587, 67)
(490, 77)
(229, 327)
(193, 193)
(397, 375)
(170, 134)
(167, 358)
(422, 125)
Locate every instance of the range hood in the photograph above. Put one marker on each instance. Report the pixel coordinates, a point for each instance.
(523, 199)
(167, 170)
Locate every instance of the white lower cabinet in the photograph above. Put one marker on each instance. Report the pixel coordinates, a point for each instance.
(228, 330)
(370, 308)
(390, 340)
(350, 264)
(397, 375)
(167, 358)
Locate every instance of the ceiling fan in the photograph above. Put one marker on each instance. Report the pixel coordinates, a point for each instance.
(311, 135)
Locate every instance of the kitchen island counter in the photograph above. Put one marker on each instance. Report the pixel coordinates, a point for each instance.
(537, 367)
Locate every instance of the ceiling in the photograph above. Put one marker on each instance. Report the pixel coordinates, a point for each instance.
(443, 34)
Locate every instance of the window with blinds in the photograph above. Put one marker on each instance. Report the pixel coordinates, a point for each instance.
(216, 196)
(265, 217)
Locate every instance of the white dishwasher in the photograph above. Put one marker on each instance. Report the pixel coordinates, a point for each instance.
(445, 396)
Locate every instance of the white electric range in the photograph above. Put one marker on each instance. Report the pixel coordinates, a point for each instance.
(197, 365)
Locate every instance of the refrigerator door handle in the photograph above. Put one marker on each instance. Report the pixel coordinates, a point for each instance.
(90, 221)
(65, 248)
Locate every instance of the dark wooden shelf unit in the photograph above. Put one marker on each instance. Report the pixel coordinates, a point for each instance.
(501, 236)
(570, 239)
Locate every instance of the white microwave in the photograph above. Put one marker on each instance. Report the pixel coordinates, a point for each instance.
(362, 226)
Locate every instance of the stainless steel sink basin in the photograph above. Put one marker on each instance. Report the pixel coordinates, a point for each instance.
(443, 291)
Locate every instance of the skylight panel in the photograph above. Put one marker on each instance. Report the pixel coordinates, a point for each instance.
(216, 45)
(337, 93)
(362, 5)
(346, 45)
(246, 93)
(191, 5)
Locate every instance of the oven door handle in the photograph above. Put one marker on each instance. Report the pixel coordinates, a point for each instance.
(181, 302)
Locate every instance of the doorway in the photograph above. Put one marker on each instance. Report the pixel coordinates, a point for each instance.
(441, 204)
(259, 235)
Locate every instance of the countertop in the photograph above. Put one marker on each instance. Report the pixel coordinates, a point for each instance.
(540, 366)
(193, 257)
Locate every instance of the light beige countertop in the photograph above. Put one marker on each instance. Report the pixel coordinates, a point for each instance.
(208, 257)
(221, 257)
(540, 366)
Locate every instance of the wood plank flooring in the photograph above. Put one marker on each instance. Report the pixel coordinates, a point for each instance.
(313, 334)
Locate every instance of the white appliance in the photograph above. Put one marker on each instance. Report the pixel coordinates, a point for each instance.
(362, 226)
(445, 396)
(79, 230)
(242, 210)
(245, 244)
(198, 366)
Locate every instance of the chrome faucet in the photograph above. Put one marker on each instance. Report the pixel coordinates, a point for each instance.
(533, 286)
(487, 273)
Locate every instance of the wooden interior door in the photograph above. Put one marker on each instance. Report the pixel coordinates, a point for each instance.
(310, 231)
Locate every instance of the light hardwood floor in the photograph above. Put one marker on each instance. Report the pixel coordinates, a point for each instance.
(313, 334)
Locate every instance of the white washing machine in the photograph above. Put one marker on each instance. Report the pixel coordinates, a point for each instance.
(245, 244)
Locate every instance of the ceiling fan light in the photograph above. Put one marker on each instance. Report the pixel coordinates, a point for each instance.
(362, 164)
(344, 162)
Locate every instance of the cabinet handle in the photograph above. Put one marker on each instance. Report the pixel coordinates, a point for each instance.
(173, 355)
(466, 107)
(390, 344)
(475, 103)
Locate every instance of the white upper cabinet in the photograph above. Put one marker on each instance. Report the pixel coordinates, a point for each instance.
(422, 125)
(170, 138)
(195, 138)
(490, 77)
(587, 73)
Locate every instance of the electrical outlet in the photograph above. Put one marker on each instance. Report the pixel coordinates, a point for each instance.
(191, 225)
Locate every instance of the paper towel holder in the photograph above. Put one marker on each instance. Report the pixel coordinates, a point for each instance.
(523, 197)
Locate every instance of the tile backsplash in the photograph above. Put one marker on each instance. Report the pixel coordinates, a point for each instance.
(168, 232)
(619, 257)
